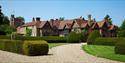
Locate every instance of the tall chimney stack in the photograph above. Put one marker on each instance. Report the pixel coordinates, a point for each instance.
(37, 18)
(89, 17)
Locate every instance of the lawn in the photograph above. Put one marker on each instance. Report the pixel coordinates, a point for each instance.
(103, 51)
(51, 45)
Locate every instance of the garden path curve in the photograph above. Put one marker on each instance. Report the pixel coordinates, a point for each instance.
(70, 53)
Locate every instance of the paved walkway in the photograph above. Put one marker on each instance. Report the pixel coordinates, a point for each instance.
(70, 53)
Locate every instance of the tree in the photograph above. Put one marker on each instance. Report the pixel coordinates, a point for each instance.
(107, 17)
(18, 21)
(6, 20)
(21, 18)
(1, 16)
(61, 18)
(122, 30)
(28, 32)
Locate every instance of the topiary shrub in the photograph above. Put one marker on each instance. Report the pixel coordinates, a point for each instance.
(92, 37)
(74, 37)
(106, 41)
(33, 48)
(120, 47)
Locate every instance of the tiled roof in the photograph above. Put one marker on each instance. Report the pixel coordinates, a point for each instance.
(112, 27)
(42, 23)
(63, 23)
(29, 24)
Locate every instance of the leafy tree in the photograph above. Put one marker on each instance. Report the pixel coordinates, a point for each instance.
(6, 20)
(1, 16)
(122, 30)
(61, 18)
(28, 32)
(21, 18)
(107, 17)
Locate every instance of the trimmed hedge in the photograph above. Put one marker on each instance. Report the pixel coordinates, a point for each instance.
(92, 37)
(106, 41)
(33, 48)
(49, 39)
(120, 47)
(4, 37)
(11, 45)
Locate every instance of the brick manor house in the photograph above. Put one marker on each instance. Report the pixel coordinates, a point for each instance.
(56, 27)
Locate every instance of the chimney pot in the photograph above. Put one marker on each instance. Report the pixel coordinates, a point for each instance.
(37, 18)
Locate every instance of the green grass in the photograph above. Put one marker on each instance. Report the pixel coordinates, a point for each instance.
(51, 45)
(103, 51)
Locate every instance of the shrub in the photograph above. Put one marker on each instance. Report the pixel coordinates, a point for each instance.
(74, 37)
(92, 37)
(120, 47)
(4, 37)
(32, 48)
(11, 45)
(49, 39)
(106, 41)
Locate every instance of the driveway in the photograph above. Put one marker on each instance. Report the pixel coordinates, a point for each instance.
(70, 53)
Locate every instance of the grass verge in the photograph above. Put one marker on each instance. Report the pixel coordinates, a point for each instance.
(103, 51)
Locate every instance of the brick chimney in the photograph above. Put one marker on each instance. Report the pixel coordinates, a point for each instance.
(37, 18)
(89, 17)
(33, 20)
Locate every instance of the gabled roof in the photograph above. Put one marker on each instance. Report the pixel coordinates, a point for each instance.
(29, 24)
(55, 23)
(112, 27)
(65, 22)
(76, 25)
(41, 24)
(101, 23)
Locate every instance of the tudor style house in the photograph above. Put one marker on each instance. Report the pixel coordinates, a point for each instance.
(62, 28)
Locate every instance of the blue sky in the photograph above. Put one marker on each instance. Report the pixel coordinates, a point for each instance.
(70, 9)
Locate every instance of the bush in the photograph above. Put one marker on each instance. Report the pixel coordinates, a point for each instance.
(4, 37)
(120, 47)
(49, 39)
(74, 37)
(106, 41)
(32, 48)
(11, 45)
(92, 37)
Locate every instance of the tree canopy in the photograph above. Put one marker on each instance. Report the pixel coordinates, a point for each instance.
(109, 19)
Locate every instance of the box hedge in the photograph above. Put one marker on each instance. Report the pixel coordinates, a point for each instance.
(33, 48)
(106, 41)
(120, 47)
(11, 45)
(49, 39)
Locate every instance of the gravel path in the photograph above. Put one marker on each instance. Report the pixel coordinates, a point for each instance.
(70, 53)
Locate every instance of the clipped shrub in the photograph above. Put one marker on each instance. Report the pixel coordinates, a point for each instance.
(49, 39)
(73, 37)
(11, 45)
(92, 37)
(4, 37)
(120, 47)
(33, 48)
(106, 41)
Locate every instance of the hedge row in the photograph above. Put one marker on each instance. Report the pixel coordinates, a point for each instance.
(120, 47)
(11, 45)
(49, 39)
(24, 47)
(106, 41)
